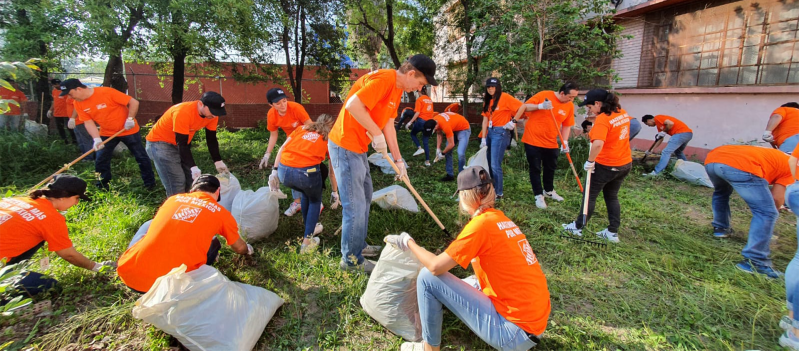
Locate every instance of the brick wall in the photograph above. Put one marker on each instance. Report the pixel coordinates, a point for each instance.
(627, 65)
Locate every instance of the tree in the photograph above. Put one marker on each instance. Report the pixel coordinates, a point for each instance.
(14, 71)
(456, 36)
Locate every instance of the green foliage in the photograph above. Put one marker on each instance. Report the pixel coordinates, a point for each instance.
(37, 28)
(15, 71)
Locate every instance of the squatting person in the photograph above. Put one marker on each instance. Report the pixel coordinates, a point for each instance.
(450, 125)
(680, 134)
(782, 129)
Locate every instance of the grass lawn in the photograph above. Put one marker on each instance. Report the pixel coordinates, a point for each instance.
(668, 285)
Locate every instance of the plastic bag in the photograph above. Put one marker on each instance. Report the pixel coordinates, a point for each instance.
(33, 129)
(691, 172)
(120, 149)
(378, 160)
(480, 158)
(395, 197)
(230, 187)
(390, 296)
(257, 212)
(205, 311)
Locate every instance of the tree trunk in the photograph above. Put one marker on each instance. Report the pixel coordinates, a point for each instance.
(471, 63)
(389, 41)
(178, 75)
(114, 73)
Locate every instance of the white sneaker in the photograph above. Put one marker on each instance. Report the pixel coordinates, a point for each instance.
(786, 340)
(427, 163)
(610, 236)
(571, 228)
(539, 201)
(317, 230)
(653, 174)
(304, 249)
(418, 152)
(293, 208)
(786, 323)
(553, 195)
(412, 346)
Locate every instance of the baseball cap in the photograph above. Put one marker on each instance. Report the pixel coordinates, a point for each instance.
(424, 64)
(208, 179)
(70, 184)
(215, 103)
(594, 95)
(55, 81)
(275, 94)
(492, 82)
(70, 84)
(469, 178)
(428, 127)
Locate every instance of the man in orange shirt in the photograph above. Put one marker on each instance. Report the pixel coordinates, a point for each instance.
(680, 136)
(12, 119)
(58, 110)
(113, 111)
(449, 124)
(169, 142)
(368, 113)
(183, 232)
(749, 170)
(424, 112)
(782, 129)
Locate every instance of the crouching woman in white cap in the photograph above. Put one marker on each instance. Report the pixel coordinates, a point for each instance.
(511, 310)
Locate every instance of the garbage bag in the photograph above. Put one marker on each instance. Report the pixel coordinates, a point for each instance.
(34, 130)
(691, 172)
(205, 311)
(480, 158)
(378, 160)
(390, 296)
(395, 197)
(120, 149)
(229, 188)
(257, 212)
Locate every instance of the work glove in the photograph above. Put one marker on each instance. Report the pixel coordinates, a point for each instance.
(335, 202)
(129, 123)
(647, 153)
(588, 166)
(546, 105)
(49, 113)
(660, 135)
(403, 170)
(274, 181)
(439, 156)
(483, 143)
(221, 168)
(509, 126)
(98, 144)
(379, 143)
(564, 148)
(264, 161)
(195, 172)
(250, 250)
(408, 126)
(71, 123)
(398, 241)
(768, 137)
(105, 266)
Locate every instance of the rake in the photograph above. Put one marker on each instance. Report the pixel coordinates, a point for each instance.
(568, 155)
(584, 213)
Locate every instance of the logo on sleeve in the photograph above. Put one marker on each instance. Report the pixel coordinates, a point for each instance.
(527, 251)
(4, 217)
(187, 213)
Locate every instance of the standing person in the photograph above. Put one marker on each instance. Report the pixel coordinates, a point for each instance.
(74, 123)
(790, 338)
(169, 141)
(749, 170)
(286, 115)
(449, 124)
(498, 110)
(113, 111)
(368, 114)
(58, 110)
(12, 119)
(454, 107)
(680, 136)
(587, 125)
(541, 139)
(298, 166)
(423, 113)
(510, 309)
(610, 160)
(782, 129)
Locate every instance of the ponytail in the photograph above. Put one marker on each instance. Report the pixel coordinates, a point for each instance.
(610, 104)
(48, 193)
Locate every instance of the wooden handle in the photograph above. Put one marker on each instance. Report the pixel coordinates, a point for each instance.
(568, 155)
(415, 194)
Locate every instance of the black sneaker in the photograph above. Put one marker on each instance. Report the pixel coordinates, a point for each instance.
(447, 178)
(500, 197)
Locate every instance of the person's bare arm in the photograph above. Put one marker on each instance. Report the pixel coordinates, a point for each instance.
(778, 193)
(438, 141)
(450, 144)
(133, 107)
(307, 122)
(91, 128)
(391, 139)
(333, 179)
(524, 108)
(272, 142)
(413, 119)
(596, 148)
(75, 258)
(358, 111)
(435, 264)
(240, 247)
(566, 132)
(484, 128)
(773, 122)
(280, 152)
(792, 166)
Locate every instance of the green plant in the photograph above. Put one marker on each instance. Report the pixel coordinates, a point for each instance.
(14, 71)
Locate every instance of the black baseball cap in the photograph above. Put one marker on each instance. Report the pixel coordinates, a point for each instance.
(70, 184)
(70, 84)
(492, 82)
(215, 103)
(275, 94)
(55, 81)
(428, 127)
(209, 179)
(469, 178)
(424, 64)
(594, 95)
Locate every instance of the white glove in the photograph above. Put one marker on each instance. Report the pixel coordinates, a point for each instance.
(439, 156)
(546, 105)
(565, 148)
(408, 126)
(398, 241)
(104, 266)
(509, 126)
(334, 200)
(129, 123)
(221, 168)
(403, 170)
(49, 113)
(250, 250)
(264, 161)
(379, 143)
(71, 123)
(483, 143)
(274, 181)
(98, 144)
(768, 137)
(195, 172)
(588, 166)
(660, 135)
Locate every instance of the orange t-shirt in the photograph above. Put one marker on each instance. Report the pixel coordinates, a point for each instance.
(543, 131)
(679, 126)
(767, 163)
(109, 108)
(183, 118)
(451, 122)
(453, 108)
(789, 125)
(180, 233)
(17, 96)
(70, 105)
(506, 109)
(614, 130)
(24, 223)
(379, 93)
(59, 104)
(424, 106)
(305, 149)
(295, 116)
(506, 267)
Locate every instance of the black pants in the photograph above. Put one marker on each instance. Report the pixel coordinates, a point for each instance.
(26, 255)
(29, 283)
(61, 126)
(536, 157)
(608, 180)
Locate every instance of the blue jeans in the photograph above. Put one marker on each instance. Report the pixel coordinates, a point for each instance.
(462, 139)
(676, 145)
(755, 192)
(497, 140)
(789, 144)
(471, 306)
(792, 272)
(308, 183)
(418, 127)
(355, 191)
(635, 128)
(102, 163)
(84, 140)
(175, 176)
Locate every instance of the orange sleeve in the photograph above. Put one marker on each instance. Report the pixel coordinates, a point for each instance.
(302, 114)
(181, 123)
(780, 111)
(447, 129)
(82, 115)
(373, 92)
(468, 244)
(600, 130)
(569, 121)
(57, 235)
(510, 103)
(119, 97)
(271, 120)
(419, 107)
(212, 124)
(230, 229)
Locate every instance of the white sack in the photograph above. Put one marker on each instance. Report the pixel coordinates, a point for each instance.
(395, 197)
(378, 160)
(230, 187)
(35, 130)
(480, 158)
(691, 172)
(257, 212)
(120, 148)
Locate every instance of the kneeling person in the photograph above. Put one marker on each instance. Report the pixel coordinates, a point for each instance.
(449, 124)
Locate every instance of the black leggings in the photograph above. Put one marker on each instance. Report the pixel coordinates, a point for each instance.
(536, 157)
(61, 126)
(608, 180)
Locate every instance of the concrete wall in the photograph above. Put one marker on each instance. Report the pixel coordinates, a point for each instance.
(627, 66)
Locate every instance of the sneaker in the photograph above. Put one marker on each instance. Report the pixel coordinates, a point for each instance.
(553, 195)
(652, 174)
(539, 201)
(610, 236)
(367, 266)
(750, 267)
(786, 323)
(304, 249)
(500, 197)
(412, 346)
(787, 339)
(447, 178)
(293, 208)
(571, 228)
(318, 229)
(372, 250)
(427, 163)
(721, 232)
(418, 152)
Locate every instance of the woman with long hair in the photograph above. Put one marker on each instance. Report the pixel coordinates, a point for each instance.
(498, 124)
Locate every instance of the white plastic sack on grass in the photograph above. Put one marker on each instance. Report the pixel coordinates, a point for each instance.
(34, 130)
(205, 311)
(691, 172)
(480, 158)
(120, 149)
(390, 296)
(230, 187)
(378, 160)
(395, 197)
(257, 212)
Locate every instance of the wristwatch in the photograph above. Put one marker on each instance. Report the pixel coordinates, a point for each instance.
(399, 160)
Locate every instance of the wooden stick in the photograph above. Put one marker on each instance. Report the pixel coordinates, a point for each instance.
(568, 155)
(410, 187)
(67, 166)
(41, 111)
